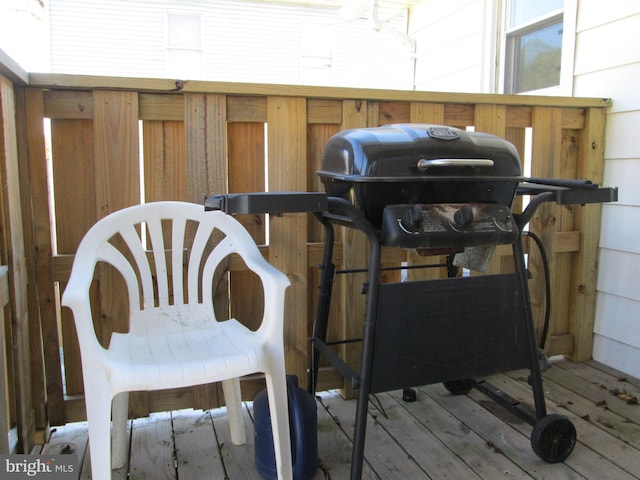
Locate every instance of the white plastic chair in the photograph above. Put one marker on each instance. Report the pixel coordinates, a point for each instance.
(174, 339)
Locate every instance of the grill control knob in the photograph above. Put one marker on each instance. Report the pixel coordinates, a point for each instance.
(463, 216)
(412, 219)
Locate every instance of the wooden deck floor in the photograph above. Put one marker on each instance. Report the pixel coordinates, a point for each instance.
(440, 436)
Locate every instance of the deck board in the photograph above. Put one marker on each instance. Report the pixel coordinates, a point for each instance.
(196, 445)
(596, 453)
(440, 436)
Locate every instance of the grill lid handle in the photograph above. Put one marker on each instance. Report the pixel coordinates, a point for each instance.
(424, 164)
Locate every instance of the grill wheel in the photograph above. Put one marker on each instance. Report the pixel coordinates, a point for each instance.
(553, 438)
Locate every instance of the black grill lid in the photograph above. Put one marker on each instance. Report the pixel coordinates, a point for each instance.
(418, 163)
(416, 152)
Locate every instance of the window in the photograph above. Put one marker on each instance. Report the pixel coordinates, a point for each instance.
(184, 46)
(536, 47)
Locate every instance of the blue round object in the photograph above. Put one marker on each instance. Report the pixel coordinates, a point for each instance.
(303, 417)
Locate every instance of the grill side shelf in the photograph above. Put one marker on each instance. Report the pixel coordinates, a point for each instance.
(267, 202)
(562, 195)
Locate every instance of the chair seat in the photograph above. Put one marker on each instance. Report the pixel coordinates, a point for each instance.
(180, 357)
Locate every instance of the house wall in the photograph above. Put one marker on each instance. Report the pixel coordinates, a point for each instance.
(607, 64)
(23, 33)
(243, 41)
(451, 51)
(454, 50)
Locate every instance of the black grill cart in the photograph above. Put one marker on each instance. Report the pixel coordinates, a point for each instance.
(434, 189)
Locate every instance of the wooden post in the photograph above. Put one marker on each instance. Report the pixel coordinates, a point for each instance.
(585, 264)
(5, 417)
(12, 213)
(37, 237)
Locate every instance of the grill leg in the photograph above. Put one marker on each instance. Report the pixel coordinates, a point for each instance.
(324, 303)
(367, 357)
(536, 376)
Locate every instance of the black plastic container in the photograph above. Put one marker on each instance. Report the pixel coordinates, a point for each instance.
(303, 417)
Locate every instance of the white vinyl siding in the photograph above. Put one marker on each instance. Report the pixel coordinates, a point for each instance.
(243, 41)
(607, 65)
(107, 38)
(366, 58)
(23, 34)
(452, 53)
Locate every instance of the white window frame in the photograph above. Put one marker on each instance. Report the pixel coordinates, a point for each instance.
(569, 18)
(169, 48)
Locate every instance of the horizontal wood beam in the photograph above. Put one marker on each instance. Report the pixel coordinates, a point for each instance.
(76, 104)
(12, 70)
(89, 82)
(561, 344)
(565, 242)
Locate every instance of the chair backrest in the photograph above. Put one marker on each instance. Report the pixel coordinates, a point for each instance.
(167, 253)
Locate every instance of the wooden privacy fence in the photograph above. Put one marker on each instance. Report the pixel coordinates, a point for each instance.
(119, 142)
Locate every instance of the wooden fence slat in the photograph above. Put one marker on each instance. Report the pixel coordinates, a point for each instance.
(6, 390)
(42, 299)
(317, 136)
(116, 150)
(355, 114)
(247, 174)
(206, 145)
(16, 260)
(564, 167)
(493, 119)
(164, 160)
(75, 212)
(117, 179)
(287, 136)
(117, 174)
(207, 173)
(585, 264)
(546, 147)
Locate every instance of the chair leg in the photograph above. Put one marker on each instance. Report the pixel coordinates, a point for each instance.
(120, 415)
(98, 405)
(233, 401)
(279, 411)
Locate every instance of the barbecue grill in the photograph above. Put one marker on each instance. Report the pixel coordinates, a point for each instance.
(439, 190)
